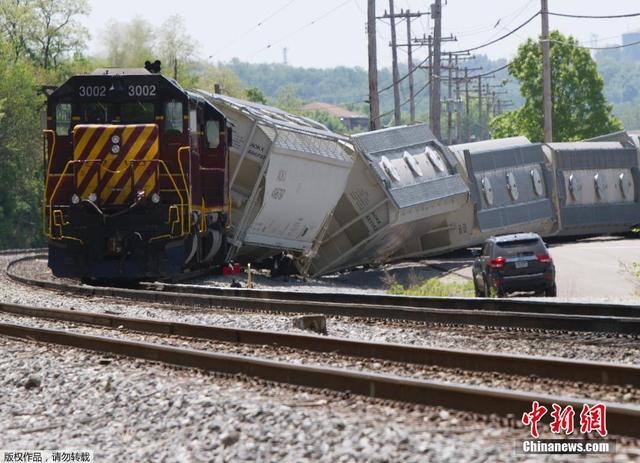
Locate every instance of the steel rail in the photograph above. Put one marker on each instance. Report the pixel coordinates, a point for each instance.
(11, 252)
(621, 419)
(499, 317)
(548, 367)
(432, 302)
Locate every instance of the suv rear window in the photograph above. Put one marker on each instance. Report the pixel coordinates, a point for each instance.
(522, 247)
(517, 243)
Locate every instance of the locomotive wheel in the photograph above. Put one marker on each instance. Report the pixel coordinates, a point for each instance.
(193, 249)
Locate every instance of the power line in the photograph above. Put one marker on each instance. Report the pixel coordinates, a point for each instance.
(582, 16)
(252, 28)
(466, 50)
(502, 37)
(611, 47)
(310, 23)
(488, 73)
(407, 100)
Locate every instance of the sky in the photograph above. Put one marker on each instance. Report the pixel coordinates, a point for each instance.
(331, 33)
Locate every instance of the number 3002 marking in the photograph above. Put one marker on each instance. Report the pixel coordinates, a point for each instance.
(95, 90)
(142, 90)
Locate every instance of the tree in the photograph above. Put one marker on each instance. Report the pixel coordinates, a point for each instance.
(45, 31)
(176, 48)
(20, 152)
(580, 109)
(288, 100)
(229, 82)
(129, 44)
(255, 94)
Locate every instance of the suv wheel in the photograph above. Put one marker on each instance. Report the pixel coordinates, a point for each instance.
(552, 291)
(475, 288)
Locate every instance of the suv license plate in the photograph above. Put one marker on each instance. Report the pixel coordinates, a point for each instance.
(522, 264)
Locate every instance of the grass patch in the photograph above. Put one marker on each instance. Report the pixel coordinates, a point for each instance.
(635, 269)
(435, 287)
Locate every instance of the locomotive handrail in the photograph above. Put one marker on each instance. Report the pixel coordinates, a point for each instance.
(53, 195)
(46, 176)
(184, 181)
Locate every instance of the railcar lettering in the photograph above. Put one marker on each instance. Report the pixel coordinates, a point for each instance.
(141, 90)
(92, 90)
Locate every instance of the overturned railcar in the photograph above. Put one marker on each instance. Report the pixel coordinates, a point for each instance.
(404, 198)
(598, 186)
(286, 175)
(511, 185)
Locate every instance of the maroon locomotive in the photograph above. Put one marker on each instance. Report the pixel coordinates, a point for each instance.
(136, 177)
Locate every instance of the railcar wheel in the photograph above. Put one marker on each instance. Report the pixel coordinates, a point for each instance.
(194, 248)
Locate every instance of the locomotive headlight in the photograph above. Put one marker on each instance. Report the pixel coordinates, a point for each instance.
(115, 139)
(75, 199)
(93, 197)
(115, 149)
(155, 198)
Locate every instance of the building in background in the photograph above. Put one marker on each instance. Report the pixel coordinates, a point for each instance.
(350, 119)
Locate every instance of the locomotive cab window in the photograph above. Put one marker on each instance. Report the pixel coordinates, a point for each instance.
(137, 113)
(212, 131)
(173, 117)
(63, 118)
(97, 112)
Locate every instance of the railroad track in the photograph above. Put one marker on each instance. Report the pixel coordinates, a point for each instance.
(608, 318)
(621, 419)
(13, 252)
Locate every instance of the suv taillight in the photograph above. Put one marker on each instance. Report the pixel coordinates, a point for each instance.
(498, 262)
(544, 258)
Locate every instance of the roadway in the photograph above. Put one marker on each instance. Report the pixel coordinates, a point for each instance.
(594, 268)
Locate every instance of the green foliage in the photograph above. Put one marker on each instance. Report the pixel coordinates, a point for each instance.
(331, 122)
(45, 31)
(288, 100)
(129, 44)
(229, 82)
(20, 153)
(255, 94)
(435, 287)
(580, 109)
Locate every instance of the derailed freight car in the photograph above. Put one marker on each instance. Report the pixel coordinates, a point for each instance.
(286, 175)
(597, 186)
(404, 198)
(512, 187)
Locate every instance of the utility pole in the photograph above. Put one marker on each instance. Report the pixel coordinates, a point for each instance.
(430, 51)
(480, 125)
(546, 75)
(467, 122)
(457, 107)
(394, 59)
(412, 103)
(449, 97)
(407, 15)
(434, 114)
(374, 105)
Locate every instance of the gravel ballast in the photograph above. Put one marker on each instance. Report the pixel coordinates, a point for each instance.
(129, 410)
